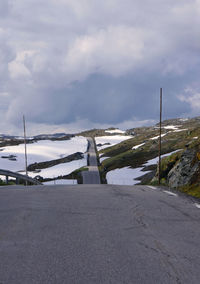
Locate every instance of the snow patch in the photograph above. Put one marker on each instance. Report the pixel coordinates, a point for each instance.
(103, 158)
(115, 131)
(179, 130)
(113, 140)
(124, 176)
(137, 146)
(172, 127)
(156, 137)
(184, 119)
(155, 160)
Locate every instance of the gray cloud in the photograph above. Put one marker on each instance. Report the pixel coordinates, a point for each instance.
(99, 62)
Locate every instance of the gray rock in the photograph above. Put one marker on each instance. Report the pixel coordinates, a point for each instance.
(182, 173)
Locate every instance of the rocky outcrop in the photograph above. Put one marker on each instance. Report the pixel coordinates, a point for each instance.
(104, 144)
(48, 164)
(186, 171)
(181, 170)
(10, 157)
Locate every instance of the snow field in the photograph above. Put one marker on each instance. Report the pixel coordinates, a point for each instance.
(46, 150)
(124, 176)
(127, 175)
(61, 169)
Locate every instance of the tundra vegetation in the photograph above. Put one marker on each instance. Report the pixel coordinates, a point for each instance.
(180, 170)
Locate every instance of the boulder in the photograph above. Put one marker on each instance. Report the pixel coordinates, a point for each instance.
(184, 172)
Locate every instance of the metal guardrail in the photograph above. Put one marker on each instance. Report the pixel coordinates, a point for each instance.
(18, 177)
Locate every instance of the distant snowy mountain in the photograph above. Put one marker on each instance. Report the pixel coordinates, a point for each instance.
(38, 137)
(52, 136)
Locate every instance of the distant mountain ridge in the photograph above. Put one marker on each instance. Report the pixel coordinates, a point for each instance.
(180, 170)
(40, 136)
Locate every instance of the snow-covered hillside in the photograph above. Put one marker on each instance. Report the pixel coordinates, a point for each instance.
(128, 176)
(12, 157)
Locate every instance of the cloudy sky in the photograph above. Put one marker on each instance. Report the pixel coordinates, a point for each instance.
(76, 64)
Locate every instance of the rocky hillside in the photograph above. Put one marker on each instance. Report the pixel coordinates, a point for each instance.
(180, 170)
(102, 132)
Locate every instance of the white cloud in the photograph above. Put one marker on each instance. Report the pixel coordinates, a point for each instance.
(192, 97)
(76, 126)
(50, 52)
(6, 54)
(17, 67)
(113, 51)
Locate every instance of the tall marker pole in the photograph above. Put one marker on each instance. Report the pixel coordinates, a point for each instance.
(160, 136)
(25, 146)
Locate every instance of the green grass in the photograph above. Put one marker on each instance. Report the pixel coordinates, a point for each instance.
(193, 190)
(75, 174)
(167, 163)
(122, 155)
(129, 158)
(155, 182)
(3, 183)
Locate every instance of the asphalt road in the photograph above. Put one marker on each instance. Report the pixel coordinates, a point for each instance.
(92, 175)
(88, 234)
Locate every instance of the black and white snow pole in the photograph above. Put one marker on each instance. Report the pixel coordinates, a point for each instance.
(25, 146)
(160, 139)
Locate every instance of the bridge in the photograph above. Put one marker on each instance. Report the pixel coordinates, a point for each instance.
(18, 177)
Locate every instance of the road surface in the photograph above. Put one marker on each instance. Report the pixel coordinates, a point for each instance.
(105, 234)
(92, 175)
